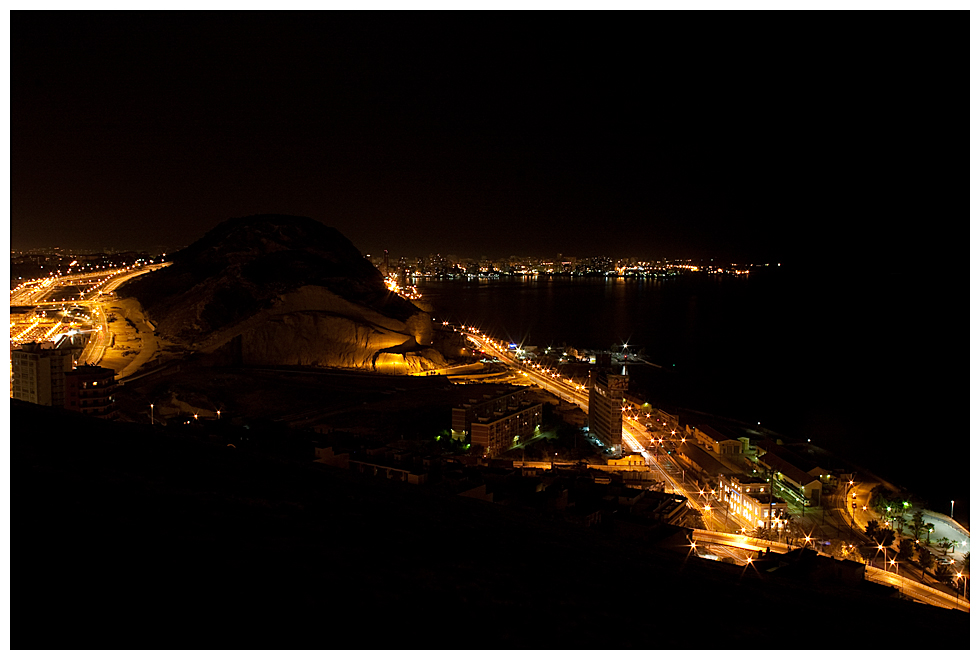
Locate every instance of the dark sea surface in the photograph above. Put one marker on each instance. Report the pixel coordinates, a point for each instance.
(872, 367)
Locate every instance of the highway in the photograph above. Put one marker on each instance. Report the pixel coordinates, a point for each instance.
(95, 289)
(635, 434)
(721, 526)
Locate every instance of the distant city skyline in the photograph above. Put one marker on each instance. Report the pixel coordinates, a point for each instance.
(457, 259)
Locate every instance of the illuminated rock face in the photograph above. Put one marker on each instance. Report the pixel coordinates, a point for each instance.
(313, 327)
(280, 290)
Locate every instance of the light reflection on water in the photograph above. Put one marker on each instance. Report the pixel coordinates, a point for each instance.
(808, 356)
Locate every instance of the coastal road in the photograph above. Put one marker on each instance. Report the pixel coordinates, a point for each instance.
(635, 434)
(723, 527)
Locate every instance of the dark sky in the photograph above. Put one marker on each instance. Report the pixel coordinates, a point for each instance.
(494, 134)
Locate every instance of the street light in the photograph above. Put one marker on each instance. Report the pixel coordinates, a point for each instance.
(151, 414)
(951, 508)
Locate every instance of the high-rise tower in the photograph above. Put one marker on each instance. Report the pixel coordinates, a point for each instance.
(606, 399)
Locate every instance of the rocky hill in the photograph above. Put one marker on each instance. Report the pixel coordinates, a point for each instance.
(275, 289)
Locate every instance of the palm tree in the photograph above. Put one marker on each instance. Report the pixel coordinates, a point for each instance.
(926, 561)
(917, 524)
(906, 548)
(930, 528)
(944, 574)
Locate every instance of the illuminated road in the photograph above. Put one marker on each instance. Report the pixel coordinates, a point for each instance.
(722, 537)
(95, 289)
(635, 434)
(917, 590)
(544, 378)
(30, 292)
(908, 587)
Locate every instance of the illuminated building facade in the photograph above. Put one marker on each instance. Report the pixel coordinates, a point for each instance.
(606, 400)
(38, 373)
(750, 500)
(497, 421)
(502, 431)
(91, 391)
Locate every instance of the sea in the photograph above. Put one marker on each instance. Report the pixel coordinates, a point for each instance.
(865, 364)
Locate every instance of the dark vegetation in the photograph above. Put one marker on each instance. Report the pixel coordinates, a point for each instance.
(130, 535)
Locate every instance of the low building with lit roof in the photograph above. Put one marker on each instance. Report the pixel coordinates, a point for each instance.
(498, 420)
(91, 391)
(715, 441)
(750, 500)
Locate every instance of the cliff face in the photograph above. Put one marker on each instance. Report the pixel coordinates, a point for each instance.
(272, 290)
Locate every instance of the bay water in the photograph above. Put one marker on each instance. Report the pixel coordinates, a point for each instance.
(863, 364)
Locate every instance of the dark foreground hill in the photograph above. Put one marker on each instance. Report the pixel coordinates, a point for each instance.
(278, 289)
(127, 535)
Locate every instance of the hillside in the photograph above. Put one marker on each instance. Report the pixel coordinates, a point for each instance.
(153, 537)
(274, 289)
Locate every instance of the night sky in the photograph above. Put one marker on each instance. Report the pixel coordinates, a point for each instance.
(641, 135)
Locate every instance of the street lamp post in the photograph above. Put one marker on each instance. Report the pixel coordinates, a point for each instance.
(951, 502)
(151, 414)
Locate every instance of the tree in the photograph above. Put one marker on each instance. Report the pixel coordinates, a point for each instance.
(925, 560)
(946, 545)
(944, 574)
(917, 524)
(929, 528)
(906, 549)
(878, 500)
(879, 534)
